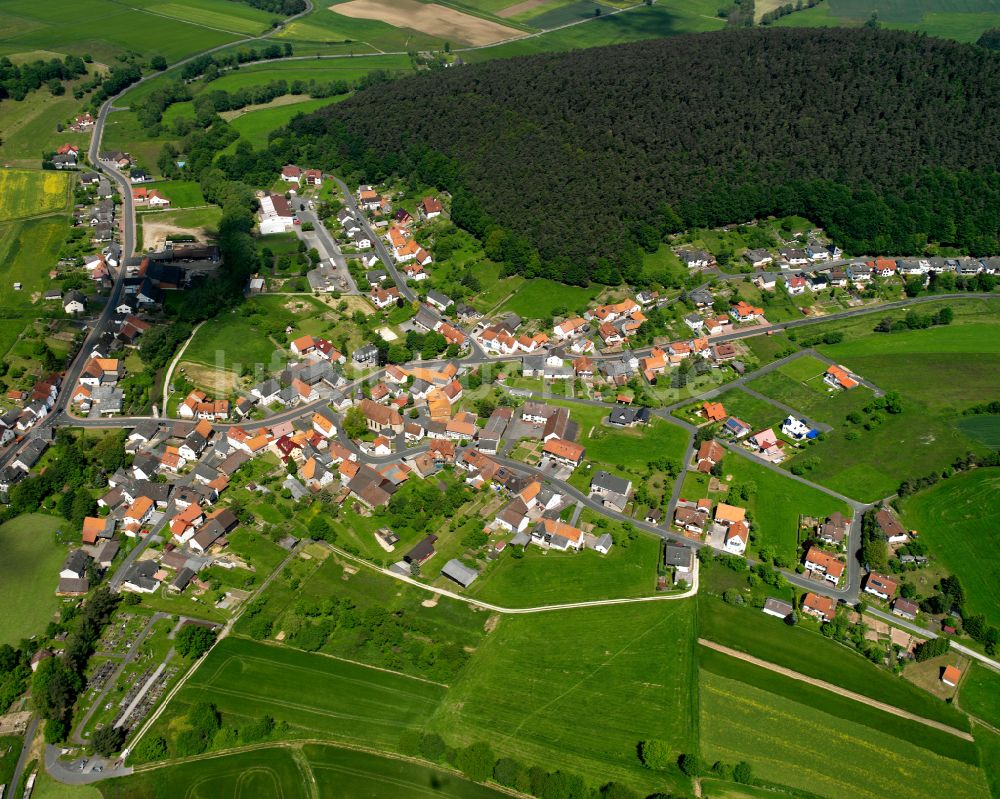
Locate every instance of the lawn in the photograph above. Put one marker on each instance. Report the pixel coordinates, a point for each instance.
(181, 193)
(270, 773)
(812, 399)
(634, 448)
(808, 652)
(777, 503)
(579, 689)
(959, 521)
(46, 787)
(755, 412)
(549, 577)
(29, 573)
(795, 744)
(318, 696)
(348, 773)
(25, 193)
(10, 750)
(937, 741)
(538, 298)
(980, 693)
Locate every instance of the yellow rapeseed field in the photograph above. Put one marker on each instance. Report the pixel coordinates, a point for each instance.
(26, 193)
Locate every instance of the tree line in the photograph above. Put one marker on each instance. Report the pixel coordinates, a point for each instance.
(887, 139)
(19, 80)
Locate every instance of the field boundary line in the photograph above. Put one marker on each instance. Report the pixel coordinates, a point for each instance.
(690, 592)
(279, 645)
(834, 689)
(300, 743)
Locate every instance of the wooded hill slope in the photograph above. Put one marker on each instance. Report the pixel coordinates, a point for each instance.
(890, 140)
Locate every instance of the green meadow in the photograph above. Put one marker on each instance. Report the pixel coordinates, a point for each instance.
(538, 298)
(959, 521)
(29, 574)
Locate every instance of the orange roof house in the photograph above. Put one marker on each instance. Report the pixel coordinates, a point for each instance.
(714, 411)
(951, 676)
(839, 377)
(568, 451)
(729, 514)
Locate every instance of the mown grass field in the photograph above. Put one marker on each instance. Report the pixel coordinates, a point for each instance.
(537, 299)
(988, 743)
(795, 744)
(980, 693)
(777, 504)
(29, 573)
(755, 412)
(937, 741)
(28, 250)
(347, 773)
(254, 126)
(808, 652)
(319, 696)
(579, 689)
(25, 193)
(985, 429)
(959, 520)
(261, 774)
(549, 578)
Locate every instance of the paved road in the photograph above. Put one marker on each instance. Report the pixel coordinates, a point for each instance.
(22, 760)
(923, 632)
(834, 689)
(380, 249)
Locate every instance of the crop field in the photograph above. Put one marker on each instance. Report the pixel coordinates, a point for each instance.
(547, 17)
(550, 689)
(548, 578)
(988, 742)
(959, 520)
(808, 652)
(30, 549)
(538, 298)
(366, 35)
(347, 773)
(963, 20)
(777, 503)
(934, 740)
(980, 694)
(25, 193)
(105, 29)
(985, 429)
(261, 774)
(433, 19)
(217, 14)
(318, 696)
(795, 744)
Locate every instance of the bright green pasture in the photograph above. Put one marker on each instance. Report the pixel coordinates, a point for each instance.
(959, 520)
(798, 745)
(537, 299)
(546, 688)
(549, 577)
(980, 693)
(808, 652)
(29, 573)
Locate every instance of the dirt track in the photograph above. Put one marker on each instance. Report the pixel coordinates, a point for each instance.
(835, 689)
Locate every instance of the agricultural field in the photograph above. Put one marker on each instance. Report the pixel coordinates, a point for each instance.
(934, 740)
(549, 578)
(988, 742)
(105, 29)
(25, 193)
(958, 521)
(808, 652)
(254, 125)
(963, 20)
(984, 429)
(318, 696)
(29, 572)
(538, 299)
(573, 673)
(344, 772)
(270, 773)
(799, 745)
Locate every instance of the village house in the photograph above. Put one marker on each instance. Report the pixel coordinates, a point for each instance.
(891, 528)
(834, 530)
(837, 376)
(614, 492)
(820, 607)
(819, 562)
(733, 520)
(709, 454)
(879, 585)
